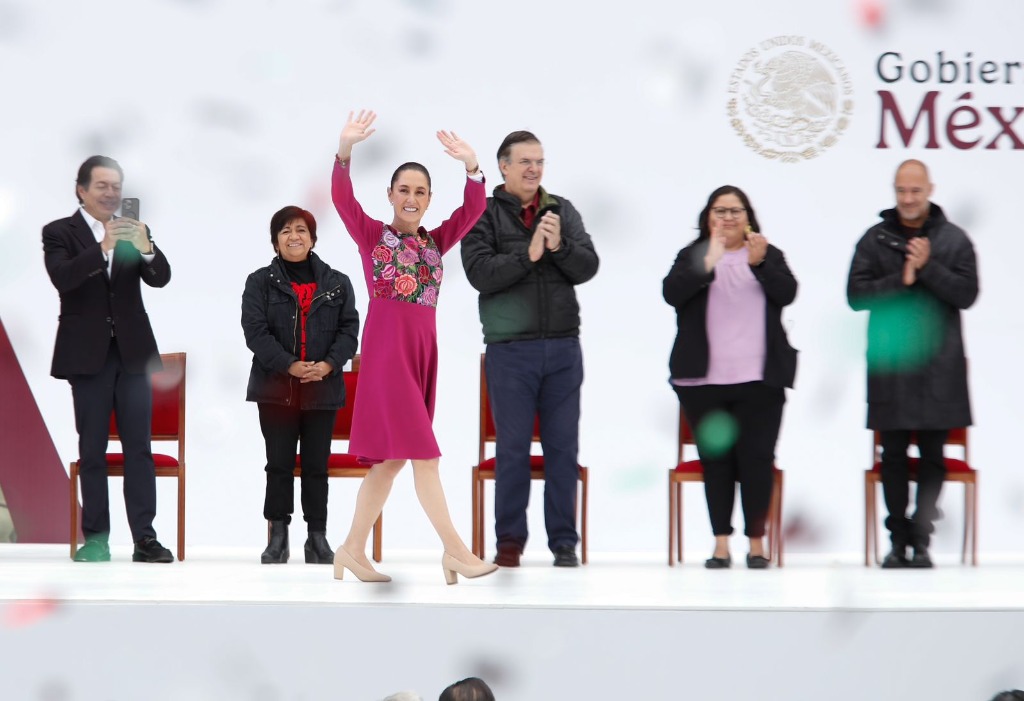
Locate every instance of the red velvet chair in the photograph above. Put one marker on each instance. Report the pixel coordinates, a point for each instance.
(956, 471)
(168, 424)
(484, 470)
(345, 464)
(693, 471)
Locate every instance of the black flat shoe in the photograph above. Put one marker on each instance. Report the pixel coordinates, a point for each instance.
(921, 559)
(508, 555)
(150, 550)
(718, 563)
(566, 557)
(757, 562)
(896, 559)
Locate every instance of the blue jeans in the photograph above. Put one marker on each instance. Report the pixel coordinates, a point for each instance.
(527, 379)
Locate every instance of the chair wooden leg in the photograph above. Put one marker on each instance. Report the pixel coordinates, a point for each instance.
(378, 537)
(770, 523)
(477, 519)
(680, 506)
(778, 521)
(967, 522)
(480, 516)
(181, 515)
(971, 505)
(586, 499)
(869, 517)
(473, 546)
(974, 521)
(671, 521)
(73, 474)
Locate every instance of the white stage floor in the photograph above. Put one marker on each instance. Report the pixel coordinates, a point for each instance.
(626, 626)
(610, 581)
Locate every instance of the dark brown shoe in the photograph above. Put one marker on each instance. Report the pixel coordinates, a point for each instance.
(508, 555)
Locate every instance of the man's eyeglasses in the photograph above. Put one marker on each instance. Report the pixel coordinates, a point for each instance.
(727, 212)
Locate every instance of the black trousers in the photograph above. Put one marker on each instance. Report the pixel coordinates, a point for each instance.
(130, 397)
(755, 411)
(284, 427)
(931, 472)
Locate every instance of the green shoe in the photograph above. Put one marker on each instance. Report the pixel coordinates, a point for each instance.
(96, 549)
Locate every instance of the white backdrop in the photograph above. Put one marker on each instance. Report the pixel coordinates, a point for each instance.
(223, 111)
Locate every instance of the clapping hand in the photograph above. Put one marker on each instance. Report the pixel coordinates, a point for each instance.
(919, 249)
(458, 149)
(551, 226)
(757, 248)
(716, 245)
(357, 128)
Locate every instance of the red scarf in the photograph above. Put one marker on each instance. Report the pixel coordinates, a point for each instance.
(305, 292)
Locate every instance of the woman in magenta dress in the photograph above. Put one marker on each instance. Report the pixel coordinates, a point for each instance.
(394, 404)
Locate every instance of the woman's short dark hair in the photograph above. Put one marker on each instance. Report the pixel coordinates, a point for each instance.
(702, 220)
(85, 171)
(290, 213)
(470, 689)
(411, 165)
(516, 137)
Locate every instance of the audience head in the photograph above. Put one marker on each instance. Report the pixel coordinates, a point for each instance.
(1009, 695)
(471, 689)
(404, 696)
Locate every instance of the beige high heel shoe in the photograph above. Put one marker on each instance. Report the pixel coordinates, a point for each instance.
(451, 566)
(343, 561)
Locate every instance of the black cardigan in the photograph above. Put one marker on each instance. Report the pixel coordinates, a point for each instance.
(686, 288)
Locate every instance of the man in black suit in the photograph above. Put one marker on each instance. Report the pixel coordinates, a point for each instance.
(106, 350)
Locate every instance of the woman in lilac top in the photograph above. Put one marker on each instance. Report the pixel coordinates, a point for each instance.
(731, 359)
(394, 404)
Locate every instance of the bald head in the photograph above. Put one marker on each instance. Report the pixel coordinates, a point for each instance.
(913, 193)
(914, 166)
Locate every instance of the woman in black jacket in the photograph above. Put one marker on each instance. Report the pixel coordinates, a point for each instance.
(731, 361)
(301, 324)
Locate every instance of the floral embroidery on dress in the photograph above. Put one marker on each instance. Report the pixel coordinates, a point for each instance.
(406, 270)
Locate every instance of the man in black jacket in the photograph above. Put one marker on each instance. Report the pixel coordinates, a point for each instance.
(914, 271)
(106, 350)
(525, 255)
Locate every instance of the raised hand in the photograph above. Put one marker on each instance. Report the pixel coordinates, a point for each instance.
(124, 229)
(716, 245)
(459, 150)
(357, 128)
(757, 248)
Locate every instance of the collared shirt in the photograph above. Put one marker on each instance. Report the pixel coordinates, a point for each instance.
(100, 231)
(529, 212)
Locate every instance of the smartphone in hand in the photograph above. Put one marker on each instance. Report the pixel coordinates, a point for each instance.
(890, 240)
(130, 208)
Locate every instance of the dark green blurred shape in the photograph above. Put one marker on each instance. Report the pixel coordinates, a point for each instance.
(904, 333)
(716, 434)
